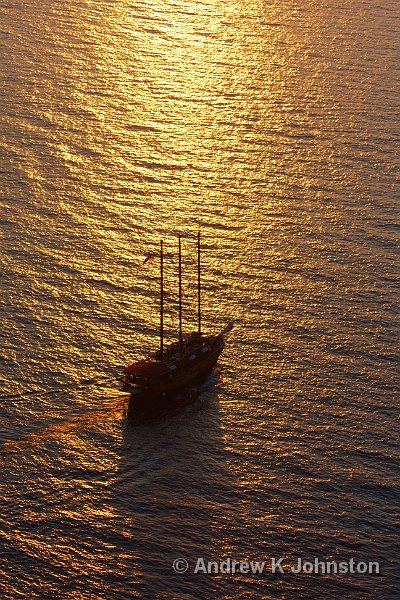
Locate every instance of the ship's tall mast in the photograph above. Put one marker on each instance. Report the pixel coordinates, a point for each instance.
(180, 290)
(198, 284)
(161, 301)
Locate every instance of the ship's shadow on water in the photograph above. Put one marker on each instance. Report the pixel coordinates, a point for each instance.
(171, 482)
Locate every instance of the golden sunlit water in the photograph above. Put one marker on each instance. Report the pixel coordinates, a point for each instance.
(274, 129)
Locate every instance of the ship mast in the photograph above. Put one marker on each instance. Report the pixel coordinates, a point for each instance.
(180, 291)
(161, 301)
(198, 283)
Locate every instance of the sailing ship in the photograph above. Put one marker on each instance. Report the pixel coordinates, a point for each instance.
(153, 381)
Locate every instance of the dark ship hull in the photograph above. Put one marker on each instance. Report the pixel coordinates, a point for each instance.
(149, 401)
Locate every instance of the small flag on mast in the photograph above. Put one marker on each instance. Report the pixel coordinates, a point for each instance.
(148, 257)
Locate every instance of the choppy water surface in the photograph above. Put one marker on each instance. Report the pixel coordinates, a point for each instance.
(273, 128)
